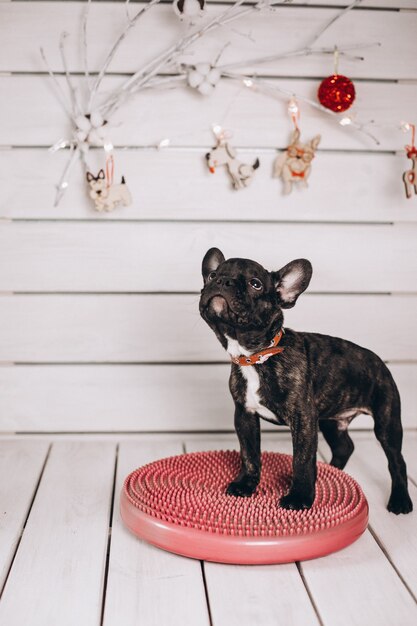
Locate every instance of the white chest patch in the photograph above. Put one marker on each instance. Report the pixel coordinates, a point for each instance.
(252, 403)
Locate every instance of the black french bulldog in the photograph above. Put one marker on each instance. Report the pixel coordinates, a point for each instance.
(316, 381)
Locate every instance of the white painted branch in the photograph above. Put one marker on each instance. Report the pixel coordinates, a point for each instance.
(335, 19)
(71, 88)
(59, 93)
(115, 47)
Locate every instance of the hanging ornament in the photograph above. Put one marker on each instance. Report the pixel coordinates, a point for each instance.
(223, 154)
(189, 10)
(410, 176)
(106, 195)
(294, 164)
(203, 77)
(336, 92)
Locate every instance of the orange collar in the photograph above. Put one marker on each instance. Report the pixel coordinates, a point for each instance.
(263, 355)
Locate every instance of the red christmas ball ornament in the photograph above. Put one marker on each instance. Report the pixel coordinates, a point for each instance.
(336, 93)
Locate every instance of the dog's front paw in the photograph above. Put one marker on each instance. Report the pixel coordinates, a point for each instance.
(243, 488)
(296, 501)
(400, 502)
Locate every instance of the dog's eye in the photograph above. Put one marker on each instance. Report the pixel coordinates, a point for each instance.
(255, 284)
(211, 276)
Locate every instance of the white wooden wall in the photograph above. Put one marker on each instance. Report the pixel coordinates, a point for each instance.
(99, 322)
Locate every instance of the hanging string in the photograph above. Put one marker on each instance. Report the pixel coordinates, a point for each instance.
(336, 61)
(221, 134)
(411, 149)
(109, 170)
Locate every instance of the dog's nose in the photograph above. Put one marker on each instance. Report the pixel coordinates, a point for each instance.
(98, 192)
(225, 281)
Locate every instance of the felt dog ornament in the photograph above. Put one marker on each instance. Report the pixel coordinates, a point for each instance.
(294, 164)
(223, 154)
(106, 195)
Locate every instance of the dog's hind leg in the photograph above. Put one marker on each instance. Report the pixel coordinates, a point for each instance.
(338, 439)
(389, 432)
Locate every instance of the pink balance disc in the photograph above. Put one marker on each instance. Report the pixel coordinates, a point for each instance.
(179, 504)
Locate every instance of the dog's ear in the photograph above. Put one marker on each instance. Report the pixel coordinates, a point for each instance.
(100, 175)
(89, 177)
(315, 142)
(295, 136)
(211, 262)
(291, 280)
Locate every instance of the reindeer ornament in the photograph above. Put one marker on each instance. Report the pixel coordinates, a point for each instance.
(294, 165)
(410, 176)
(223, 154)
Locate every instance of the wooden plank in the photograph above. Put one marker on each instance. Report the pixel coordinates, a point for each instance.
(133, 328)
(145, 120)
(21, 463)
(359, 586)
(123, 398)
(253, 595)
(154, 257)
(62, 553)
(28, 178)
(375, 4)
(397, 534)
(26, 27)
(139, 398)
(145, 584)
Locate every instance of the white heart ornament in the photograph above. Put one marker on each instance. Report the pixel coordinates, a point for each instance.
(205, 88)
(81, 135)
(195, 78)
(213, 76)
(96, 119)
(83, 122)
(203, 68)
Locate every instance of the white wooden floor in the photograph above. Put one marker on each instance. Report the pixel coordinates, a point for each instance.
(66, 559)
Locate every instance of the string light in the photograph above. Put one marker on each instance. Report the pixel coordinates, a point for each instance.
(61, 143)
(345, 121)
(293, 107)
(164, 143)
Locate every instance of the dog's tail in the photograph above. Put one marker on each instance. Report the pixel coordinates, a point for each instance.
(123, 182)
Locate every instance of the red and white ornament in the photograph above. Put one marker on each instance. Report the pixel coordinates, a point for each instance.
(337, 93)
